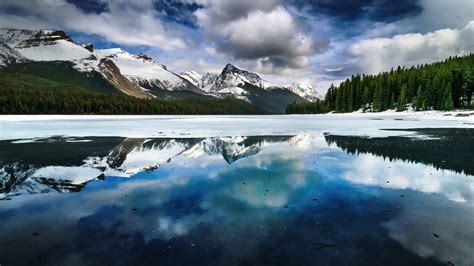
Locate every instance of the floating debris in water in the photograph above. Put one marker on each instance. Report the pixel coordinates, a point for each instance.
(320, 246)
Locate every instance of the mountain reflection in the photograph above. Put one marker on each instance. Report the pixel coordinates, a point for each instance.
(68, 164)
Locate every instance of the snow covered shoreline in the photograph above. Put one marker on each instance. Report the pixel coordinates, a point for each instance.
(461, 115)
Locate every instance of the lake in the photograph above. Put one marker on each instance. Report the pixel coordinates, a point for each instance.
(251, 190)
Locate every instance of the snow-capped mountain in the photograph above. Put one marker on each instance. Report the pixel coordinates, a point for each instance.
(244, 85)
(232, 77)
(248, 86)
(306, 91)
(134, 75)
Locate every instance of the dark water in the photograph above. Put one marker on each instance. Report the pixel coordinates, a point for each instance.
(277, 200)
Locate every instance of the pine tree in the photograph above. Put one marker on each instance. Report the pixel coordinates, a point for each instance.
(402, 100)
(448, 98)
(392, 102)
(377, 104)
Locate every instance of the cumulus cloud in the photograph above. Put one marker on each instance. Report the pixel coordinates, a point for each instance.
(379, 54)
(263, 32)
(122, 22)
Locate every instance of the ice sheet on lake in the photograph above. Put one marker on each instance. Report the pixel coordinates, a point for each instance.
(40, 126)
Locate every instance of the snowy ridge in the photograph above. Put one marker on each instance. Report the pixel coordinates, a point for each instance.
(141, 69)
(306, 91)
(43, 45)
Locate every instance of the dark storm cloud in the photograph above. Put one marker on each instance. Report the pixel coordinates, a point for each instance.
(90, 6)
(351, 10)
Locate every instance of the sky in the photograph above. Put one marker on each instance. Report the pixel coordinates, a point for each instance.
(316, 41)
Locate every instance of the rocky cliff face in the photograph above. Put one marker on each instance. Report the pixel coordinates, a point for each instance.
(113, 75)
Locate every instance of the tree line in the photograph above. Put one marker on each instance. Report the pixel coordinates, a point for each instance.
(26, 94)
(443, 85)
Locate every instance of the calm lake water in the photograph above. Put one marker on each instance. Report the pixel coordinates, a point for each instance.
(289, 199)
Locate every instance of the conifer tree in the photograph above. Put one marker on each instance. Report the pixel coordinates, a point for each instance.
(402, 100)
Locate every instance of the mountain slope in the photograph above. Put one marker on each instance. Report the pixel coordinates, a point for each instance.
(9, 55)
(143, 71)
(113, 75)
(64, 72)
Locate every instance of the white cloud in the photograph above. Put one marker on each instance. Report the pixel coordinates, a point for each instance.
(379, 54)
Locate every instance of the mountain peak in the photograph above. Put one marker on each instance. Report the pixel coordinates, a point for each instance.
(230, 67)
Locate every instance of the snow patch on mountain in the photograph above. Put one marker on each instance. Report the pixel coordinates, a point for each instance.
(9, 55)
(61, 50)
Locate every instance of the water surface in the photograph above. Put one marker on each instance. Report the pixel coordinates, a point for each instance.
(288, 199)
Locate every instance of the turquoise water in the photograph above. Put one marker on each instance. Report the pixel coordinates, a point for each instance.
(276, 200)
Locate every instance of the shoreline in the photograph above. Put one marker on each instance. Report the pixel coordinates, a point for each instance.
(448, 115)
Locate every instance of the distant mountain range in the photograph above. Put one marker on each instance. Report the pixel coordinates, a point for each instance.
(139, 75)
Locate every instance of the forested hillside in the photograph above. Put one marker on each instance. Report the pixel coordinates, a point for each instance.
(26, 94)
(440, 86)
